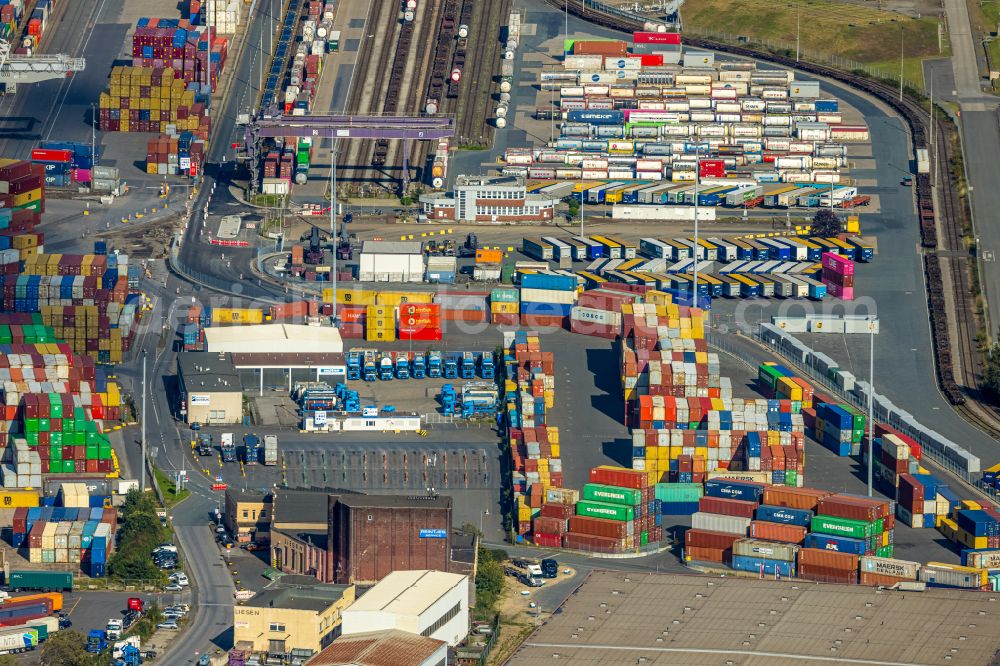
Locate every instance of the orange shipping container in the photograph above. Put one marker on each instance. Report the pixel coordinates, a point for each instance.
(795, 498)
(606, 48)
(484, 256)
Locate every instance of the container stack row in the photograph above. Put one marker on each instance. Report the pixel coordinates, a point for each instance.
(69, 163)
(22, 186)
(38, 24)
(55, 535)
(838, 276)
(546, 299)
(529, 392)
(616, 512)
(177, 153)
(159, 43)
(142, 99)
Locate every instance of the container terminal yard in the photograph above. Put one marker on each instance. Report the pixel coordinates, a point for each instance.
(655, 316)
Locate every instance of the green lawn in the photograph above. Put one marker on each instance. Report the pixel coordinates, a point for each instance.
(169, 488)
(826, 27)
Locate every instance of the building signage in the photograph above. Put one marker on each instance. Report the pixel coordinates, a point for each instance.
(336, 370)
(200, 399)
(369, 411)
(433, 534)
(319, 418)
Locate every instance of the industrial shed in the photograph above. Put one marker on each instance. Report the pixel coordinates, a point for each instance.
(210, 390)
(271, 338)
(281, 370)
(391, 261)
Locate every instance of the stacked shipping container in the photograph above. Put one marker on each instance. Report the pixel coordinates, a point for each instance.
(81, 536)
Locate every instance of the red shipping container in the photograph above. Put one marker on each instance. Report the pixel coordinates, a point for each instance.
(702, 554)
(547, 540)
(549, 525)
(651, 59)
(828, 559)
(553, 510)
(760, 529)
(710, 539)
(725, 506)
(794, 498)
(49, 155)
(822, 574)
(619, 476)
(875, 579)
(593, 543)
(603, 527)
(645, 37)
(544, 321)
(856, 508)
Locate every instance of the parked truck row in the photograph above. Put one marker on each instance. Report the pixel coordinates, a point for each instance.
(371, 365)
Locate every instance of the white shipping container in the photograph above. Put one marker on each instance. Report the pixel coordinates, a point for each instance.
(571, 91)
(831, 118)
(682, 106)
(568, 174)
(728, 117)
(745, 129)
(622, 62)
(724, 93)
(621, 92)
(719, 523)
(692, 89)
(602, 317)
(712, 130)
(621, 174)
(585, 62)
(888, 566)
(774, 93)
(700, 103)
(766, 550)
(595, 163)
(825, 177)
(723, 106)
(679, 213)
(648, 165)
(649, 175)
(651, 105)
(548, 296)
(593, 174)
(702, 116)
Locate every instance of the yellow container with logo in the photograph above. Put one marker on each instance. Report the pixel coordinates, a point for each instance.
(400, 297)
(16, 499)
(351, 296)
(237, 316)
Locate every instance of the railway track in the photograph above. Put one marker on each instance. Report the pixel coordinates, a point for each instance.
(474, 108)
(945, 221)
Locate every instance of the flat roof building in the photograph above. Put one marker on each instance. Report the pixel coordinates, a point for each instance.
(628, 617)
(485, 199)
(427, 603)
(248, 515)
(210, 390)
(297, 617)
(383, 648)
(391, 261)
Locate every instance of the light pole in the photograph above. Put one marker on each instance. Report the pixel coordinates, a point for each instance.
(142, 435)
(333, 225)
(697, 175)
(93, 142)
(871, 402)
(481, 514)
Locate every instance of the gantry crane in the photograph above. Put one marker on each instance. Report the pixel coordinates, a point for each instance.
(15, 69)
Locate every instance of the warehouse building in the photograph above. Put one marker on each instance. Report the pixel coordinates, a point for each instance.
(209, 388)
(299, 533)
(269, 338)
(280, 370)
(373, 535)
(631, 617)
(296, 618)
(434, 604)
(248, 515)
(391, 261)
(482, 199)
(379, 648)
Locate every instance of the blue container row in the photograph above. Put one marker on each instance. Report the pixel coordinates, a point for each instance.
(770, 567)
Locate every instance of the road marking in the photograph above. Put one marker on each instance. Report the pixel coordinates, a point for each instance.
(76, 603)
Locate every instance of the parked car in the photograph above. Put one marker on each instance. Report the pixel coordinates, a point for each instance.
(168, 624)
(180, 578)
(173, 587)
(181, 608)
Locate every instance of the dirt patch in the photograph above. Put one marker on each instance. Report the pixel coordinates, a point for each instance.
(143, 240)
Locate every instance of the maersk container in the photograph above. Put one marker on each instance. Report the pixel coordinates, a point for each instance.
(612, 494)
(838, 544)
(596, 117)
(887, 566)
(718, 523)
(741, 490)
(783, 514)
(756, 564)
(603, 510)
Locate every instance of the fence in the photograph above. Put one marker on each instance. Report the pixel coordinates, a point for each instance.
(942, 452)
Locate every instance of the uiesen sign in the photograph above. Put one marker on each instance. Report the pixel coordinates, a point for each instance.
(200, 399)
(433, 534)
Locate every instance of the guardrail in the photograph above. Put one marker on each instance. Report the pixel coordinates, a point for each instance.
(942, 451)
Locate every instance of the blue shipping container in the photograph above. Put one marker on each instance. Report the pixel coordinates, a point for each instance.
(784, 515)
(596, 117)
(741, 490)
(554, 281)
(754, 564)
(836, 543)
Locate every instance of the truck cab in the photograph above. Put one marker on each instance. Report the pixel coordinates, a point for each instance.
(250, 452)
(385, 367)
(451, 363)
(204, 444)
(486, 367)
(535, 576)
(402, 366)
(353, 365)
(434, 364)
(468, 365)
(419, 366)
(228, 448)
(96, 642)
(550, 567)
(270, 450)
(370, 369)
(113, 629)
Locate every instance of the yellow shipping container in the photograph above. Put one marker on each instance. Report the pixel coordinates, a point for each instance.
(376, 335)
(379, 312)
(16, 499)
(400, 297)
(351, 296)
(237, 316)
(555, 450)
(504, 308)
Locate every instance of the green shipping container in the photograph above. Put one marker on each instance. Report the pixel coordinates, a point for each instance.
(856, 529)
(884, 551)
(504, 295)
(644, 538)
(612, 494)
(678, 492)
(768, 375)
(602, 510)
(791, 477)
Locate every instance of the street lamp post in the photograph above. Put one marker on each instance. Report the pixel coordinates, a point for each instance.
(142, 435)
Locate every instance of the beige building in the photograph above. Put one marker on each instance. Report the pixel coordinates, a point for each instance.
(382, 648)
(248, 515)
(210, 389)
(297, 618)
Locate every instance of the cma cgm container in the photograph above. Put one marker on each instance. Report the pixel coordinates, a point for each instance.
(784, 514)
(742, 490)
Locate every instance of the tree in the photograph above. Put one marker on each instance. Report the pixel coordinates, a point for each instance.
(825, 223)
(65, 648)
(991, 375)
(489, 580)
(8, 660)
(574, 206)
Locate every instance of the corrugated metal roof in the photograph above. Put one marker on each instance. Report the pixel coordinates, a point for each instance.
(408, 592)
(270, 338)
(391, 247)
(617, 617)
(378, 648)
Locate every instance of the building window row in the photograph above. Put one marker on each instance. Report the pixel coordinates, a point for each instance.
(276, 626)
(443, 620)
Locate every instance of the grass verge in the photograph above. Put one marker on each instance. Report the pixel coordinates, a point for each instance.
(169, 487)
